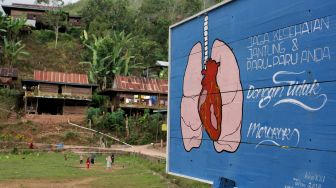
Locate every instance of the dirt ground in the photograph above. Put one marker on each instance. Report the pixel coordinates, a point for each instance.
(83, 183)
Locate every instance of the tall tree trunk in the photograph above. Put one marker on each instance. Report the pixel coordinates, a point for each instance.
(56, 35)
(127, 128)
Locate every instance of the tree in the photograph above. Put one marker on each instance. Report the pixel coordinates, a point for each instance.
(55, 17)
(102, 17)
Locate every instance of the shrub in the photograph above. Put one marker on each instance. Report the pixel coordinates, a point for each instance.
(15, 151)
(75, 32)
(99, 101)
(115, 120)
(68, 135)
(44, 36)
(92, 112)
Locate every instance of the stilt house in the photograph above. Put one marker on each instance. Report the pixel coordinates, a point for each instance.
(57, 93)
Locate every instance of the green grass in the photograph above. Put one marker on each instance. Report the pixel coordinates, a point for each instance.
(128, 171)
(40, 166)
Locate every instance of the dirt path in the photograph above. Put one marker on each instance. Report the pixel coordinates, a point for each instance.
(148, 150)
(83, 183)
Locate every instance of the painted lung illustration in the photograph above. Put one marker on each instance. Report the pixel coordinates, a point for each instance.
(191, 125)
(212, 99)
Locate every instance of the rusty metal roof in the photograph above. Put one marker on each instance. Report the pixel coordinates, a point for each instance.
(59, 77)
(31, 6)
(9, 72)
(140, 84)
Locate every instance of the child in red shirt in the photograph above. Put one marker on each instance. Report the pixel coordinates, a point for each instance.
(88, 163)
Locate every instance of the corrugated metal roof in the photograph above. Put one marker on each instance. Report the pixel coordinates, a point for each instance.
(50, 76)
(140, 84)
(9, 72)
(31, 6)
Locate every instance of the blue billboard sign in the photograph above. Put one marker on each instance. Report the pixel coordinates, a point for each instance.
(252, 94)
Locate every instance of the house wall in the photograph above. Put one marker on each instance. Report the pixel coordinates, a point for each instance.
(75, 22)
(136, 100)
(29, 14)
(6, 81)
(48, 90)
(80, 92)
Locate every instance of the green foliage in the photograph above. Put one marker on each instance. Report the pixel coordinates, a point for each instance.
(93, 112)
(145, 129)
(97, 12)
(13, 52)
(43, 36)
(146, 21)
(75, 8)
(110, 56)
(8, 99)
(55, 18)
(12, 27)
(8, 93)
(2, 24)
(110, 122)
(99, 101)
(75, 32)
(69, 135)
(12, 48)
(15, 151)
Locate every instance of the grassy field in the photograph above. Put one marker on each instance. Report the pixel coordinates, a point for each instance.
(52, 170)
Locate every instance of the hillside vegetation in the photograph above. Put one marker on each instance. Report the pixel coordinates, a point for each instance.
(118, 37)
(43, 55)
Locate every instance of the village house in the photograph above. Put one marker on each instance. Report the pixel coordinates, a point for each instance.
(8, 77)
(135, 94)
(57, 93)
(34, 14)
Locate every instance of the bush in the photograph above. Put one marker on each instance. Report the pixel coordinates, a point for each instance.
(68, 135)
(75, 32)
(145, 129)
(44, 36)
(15, 151)
(99, 101)
(92, 112)
(113, 122)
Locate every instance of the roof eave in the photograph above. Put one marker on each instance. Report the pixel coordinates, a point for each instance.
(60, 83)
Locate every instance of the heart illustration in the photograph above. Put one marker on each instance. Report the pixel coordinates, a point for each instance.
(212, 99)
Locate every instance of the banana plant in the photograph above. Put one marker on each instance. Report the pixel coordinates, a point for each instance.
(13, 51)
(13, 27)
(3, 23)
(110, 56)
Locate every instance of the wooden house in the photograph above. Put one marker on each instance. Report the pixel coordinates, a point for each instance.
(34, 14)
(8, 77)
(57, 93)
(75, 21)
(134, 94)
